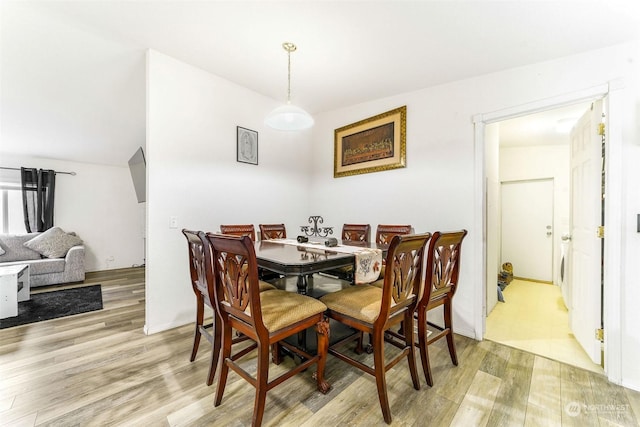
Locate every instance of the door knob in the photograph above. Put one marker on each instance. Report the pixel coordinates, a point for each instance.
(566, 237)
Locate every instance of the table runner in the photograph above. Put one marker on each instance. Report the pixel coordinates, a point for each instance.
(368, 260)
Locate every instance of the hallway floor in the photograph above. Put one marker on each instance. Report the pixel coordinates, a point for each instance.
(534, 318)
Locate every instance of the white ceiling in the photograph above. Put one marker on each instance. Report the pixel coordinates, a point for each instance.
(550, 127)
(73, 72)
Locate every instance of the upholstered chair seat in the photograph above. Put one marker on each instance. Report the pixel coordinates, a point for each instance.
(264, 286)
(282, 308)
(361, 302)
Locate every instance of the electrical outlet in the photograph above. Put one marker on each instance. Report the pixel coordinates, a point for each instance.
(173, 222)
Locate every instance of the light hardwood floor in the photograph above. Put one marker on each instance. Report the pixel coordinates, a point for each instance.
(100, 369)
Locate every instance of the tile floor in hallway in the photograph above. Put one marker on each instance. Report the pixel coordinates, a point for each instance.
(534, 318)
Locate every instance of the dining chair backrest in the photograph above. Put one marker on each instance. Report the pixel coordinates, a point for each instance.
(234, 270)
(356, 232)
(386, 232)
(403, 274)
(239, 230)
(443, 265)
(197, 266)
(272, 231)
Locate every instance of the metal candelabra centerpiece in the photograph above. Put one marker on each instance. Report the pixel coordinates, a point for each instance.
(315, 230)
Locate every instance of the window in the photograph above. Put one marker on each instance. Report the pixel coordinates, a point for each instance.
(11, 212)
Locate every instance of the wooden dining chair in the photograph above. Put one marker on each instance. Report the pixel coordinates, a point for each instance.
(265, 317)
(249, 230)
(386, 232)
(373, 310)
(351, 233)
(356, 232)
(239, 230)
(441, 282)
(204, 296)
(272, 231)
(268, 232)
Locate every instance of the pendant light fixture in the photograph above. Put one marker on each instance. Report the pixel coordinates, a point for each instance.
(288, 116)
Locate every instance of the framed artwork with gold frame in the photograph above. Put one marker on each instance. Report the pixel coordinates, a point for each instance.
(371, 145)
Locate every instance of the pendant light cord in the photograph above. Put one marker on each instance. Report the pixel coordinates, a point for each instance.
(288, 76)
(289, 47)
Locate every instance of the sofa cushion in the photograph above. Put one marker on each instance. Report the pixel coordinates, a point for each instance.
(53, 243)
(13, 245)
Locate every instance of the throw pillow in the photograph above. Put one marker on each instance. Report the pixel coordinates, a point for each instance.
(53, 243)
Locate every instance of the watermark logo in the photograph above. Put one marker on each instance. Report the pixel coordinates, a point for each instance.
(572, 409)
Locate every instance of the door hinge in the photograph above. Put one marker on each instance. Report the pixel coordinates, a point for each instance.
(601, 129)
(600, 334)
(600, 232)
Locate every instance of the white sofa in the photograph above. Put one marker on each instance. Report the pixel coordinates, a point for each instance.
(42, 271)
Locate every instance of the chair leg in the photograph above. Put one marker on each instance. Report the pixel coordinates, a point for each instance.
(422, 344)
(448, 315)
(215, 351)
(199, 320)
(381, 381)
(407, 326)
(276, 357)
(359, 347)
(322, 329)
(262, 376)
(224, 368)
(369, 347)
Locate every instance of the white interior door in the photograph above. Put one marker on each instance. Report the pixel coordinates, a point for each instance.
(527, 228)
(585, 254)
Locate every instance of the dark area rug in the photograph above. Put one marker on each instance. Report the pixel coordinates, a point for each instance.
(51, 305)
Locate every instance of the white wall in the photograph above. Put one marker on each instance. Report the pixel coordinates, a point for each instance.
(434, 191)
(530, 163)
(99, 204)
(193, 175)
(437, 189)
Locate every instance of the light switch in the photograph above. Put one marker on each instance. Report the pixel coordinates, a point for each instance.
(173, 222)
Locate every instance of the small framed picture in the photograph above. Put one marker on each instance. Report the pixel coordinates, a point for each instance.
(247, 141)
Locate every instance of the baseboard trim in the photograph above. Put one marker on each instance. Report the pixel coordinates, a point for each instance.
(114, 270)
(546, 282)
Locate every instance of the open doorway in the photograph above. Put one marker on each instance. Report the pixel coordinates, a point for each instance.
(532, 161)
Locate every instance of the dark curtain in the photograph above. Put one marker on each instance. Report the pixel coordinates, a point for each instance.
(38, 189)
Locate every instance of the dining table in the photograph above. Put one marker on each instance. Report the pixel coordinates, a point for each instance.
(290, 258)
(287, 258)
